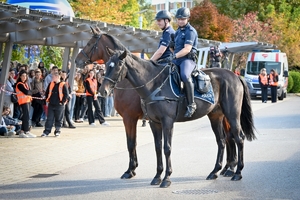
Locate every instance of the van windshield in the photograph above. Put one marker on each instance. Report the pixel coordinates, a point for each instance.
(254, 67)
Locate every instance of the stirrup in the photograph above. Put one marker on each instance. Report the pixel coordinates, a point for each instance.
(190, 110)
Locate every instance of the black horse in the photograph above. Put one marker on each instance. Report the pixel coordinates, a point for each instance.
(232, 102)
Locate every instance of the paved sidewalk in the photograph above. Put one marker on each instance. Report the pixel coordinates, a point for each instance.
(21, 158)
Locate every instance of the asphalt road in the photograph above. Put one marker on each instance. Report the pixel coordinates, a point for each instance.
(272, 164)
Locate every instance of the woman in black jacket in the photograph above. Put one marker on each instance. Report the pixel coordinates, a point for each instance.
(24, 100)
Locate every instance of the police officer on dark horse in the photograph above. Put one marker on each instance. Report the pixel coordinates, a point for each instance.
(163, 19)
(186, 40)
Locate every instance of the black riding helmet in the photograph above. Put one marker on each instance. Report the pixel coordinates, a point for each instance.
(183, 13)
(163, 14)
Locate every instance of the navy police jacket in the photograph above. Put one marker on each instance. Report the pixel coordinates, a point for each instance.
(185, 35)
(165, 41)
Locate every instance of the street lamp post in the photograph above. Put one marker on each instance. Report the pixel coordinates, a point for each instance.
(141, 17)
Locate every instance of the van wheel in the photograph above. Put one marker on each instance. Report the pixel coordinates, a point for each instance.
(284, 95)
(281, 96)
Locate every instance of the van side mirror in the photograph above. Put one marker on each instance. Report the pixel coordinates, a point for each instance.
(242, 72)
(285, 73)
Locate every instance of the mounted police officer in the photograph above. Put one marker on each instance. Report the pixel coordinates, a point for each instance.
(163, 19)
(185, 51)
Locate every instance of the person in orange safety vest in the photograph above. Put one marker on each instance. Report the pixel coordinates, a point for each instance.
(263, 82)
(91, 97)
(56, 96)
(24, 99)
(273, 82)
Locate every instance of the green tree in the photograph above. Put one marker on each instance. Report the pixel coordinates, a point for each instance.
(285, 23)
(237, 8)
(18, 53)
(52, 55)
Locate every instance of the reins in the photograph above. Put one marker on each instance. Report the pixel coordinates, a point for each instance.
(133, 88)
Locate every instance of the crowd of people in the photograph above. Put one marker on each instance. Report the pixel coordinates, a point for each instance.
(36, 94)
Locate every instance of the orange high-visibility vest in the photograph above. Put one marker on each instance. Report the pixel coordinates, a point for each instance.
(23, 98)
(60, 90)
(263, 79)
(93, 86)
(272, 83)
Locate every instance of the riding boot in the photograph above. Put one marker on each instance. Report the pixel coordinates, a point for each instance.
(189, 89)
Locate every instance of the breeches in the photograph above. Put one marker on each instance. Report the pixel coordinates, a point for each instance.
(186, 67)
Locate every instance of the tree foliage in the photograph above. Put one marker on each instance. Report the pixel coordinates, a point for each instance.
(286, 23)
(209, 23)
(237, 8)
(18, 53)
(121, 12)
(249, 28)
(52, 55)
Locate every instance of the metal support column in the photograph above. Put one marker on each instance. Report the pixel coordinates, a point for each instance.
(5, 67)
(1, 46)
(73, 66)
(202, 58)
(66, 57)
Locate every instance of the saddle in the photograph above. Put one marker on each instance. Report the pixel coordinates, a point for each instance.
(200, 79)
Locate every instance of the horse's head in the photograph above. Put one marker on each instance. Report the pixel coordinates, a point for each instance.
(92, 51)
(115, 71)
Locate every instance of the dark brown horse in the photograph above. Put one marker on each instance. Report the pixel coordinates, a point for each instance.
(128, 104)
(232, 101)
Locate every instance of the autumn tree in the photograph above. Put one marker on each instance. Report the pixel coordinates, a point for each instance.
(237, 8)
(250, 29)
(209, 23)
(110, 11)
(286, 23)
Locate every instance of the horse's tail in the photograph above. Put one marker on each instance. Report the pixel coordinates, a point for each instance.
(246, 114)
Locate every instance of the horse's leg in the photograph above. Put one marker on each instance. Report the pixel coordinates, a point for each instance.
(231, 159)
(168, 133)
(130, 124)
(217, 126)
(239, 140)
(157, 134)
(228, 170)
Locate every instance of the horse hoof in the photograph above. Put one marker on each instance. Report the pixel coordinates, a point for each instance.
(223, 172)
(228, 173)
(128, 175)
(236, 177)
(156, 181)
(165, 184)
(212, 177)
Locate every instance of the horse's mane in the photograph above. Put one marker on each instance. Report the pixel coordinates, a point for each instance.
(117, 44)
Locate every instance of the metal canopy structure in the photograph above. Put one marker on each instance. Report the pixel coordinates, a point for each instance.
(33, 27)
(20, 25)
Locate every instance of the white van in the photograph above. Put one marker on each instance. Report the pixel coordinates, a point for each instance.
(269, 59)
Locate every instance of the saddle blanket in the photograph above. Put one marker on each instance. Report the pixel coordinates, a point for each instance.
(208, 96)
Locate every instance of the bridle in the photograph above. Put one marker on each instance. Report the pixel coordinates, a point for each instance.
(118, 79)
(92, 51)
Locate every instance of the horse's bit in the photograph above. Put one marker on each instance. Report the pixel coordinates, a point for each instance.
(92, 51)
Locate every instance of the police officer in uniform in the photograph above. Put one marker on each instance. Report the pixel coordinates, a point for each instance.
(56, 96)
(185, 51)
(163, 19)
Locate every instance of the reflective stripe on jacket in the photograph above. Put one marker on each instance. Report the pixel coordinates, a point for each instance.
(23, 98)
(60, 90)
(93, 86)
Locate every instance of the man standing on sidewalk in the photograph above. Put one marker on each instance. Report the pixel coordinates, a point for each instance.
(56, 95)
